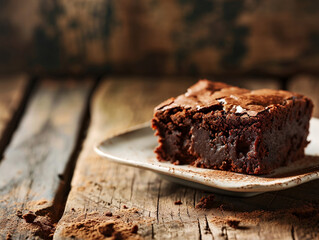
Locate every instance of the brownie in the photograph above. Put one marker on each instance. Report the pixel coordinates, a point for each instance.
(218, 126)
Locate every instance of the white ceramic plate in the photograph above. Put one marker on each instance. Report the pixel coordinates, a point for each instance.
(135, 148)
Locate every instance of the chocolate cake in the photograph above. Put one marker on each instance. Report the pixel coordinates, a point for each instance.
(218, 126)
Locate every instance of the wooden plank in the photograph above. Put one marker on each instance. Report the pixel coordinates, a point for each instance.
(13, 92)
(32, 173)
(309, 86)
(141, 197)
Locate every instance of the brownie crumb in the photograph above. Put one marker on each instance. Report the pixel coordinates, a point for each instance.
(108, 214)
(106, 229)
(179, 202)
(206, 202)
(73, 210)
(29, 217)
(19, 214)
(80, 225)
(9, 236)
(118, 236)
(134, 229)
(61, 177)
(233, 223)
(125, 207)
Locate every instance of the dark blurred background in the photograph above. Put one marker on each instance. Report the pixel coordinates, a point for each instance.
(160, 37)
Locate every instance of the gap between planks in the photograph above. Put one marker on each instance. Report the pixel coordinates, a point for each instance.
(66, 177)
(15, 91)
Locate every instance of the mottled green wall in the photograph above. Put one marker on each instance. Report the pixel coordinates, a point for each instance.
(160, 36)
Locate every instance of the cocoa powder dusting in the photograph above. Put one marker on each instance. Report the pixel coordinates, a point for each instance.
(97, 226)
(41, 226)
(206, 202)
(304, 216)
(44, 228)
(95, 229)
(107, 228)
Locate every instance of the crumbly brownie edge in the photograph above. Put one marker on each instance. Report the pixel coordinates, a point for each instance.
(177, 136)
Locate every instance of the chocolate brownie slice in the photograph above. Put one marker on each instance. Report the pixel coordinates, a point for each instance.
(218, 126)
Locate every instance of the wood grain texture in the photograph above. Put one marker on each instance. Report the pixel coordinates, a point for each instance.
(309, 86)
(32, 171)
(100, 186)
(12, 94)
(159, 37)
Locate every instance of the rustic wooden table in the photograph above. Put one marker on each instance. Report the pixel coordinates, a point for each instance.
(48, 128)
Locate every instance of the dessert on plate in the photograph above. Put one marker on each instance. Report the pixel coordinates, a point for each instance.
(218, 126)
